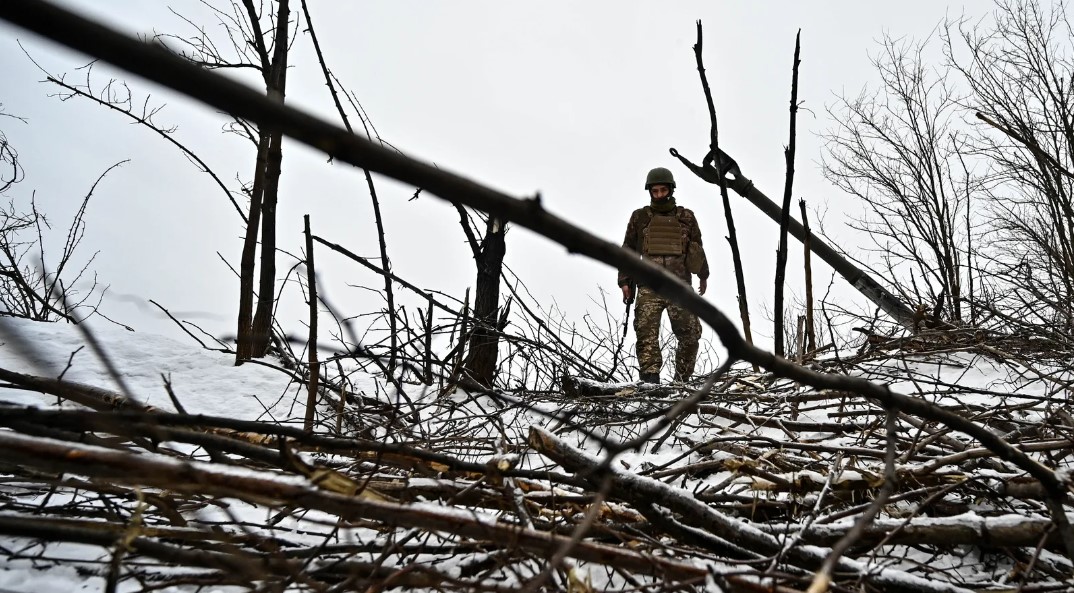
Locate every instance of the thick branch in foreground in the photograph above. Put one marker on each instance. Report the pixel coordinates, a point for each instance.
(693, 513)
(970, 529)
(163, 472)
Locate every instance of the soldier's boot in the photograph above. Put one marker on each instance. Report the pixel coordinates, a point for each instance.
(653, 378)
(685, 360)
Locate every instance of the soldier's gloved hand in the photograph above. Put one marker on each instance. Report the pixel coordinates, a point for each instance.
(628, 294)
(703, 286)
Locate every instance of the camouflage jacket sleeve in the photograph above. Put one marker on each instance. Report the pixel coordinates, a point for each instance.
(694, 232)
(631, 240)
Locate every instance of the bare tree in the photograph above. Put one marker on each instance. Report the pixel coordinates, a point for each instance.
(32, 285)
(721, 181)
(331, 81)
(10, 170)
(781, 251)
(1019, 70)
(899, 150)
(259, 36)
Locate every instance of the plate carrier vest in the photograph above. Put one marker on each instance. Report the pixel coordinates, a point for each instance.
(664, 234)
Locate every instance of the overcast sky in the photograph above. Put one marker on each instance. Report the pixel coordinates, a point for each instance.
(575, 100)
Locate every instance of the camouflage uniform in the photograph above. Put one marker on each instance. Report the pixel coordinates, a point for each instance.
(649, 306)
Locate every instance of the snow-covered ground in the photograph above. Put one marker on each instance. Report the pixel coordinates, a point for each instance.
(743, 444)
(204, 381)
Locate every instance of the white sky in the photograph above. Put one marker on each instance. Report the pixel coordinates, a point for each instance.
(574, 100)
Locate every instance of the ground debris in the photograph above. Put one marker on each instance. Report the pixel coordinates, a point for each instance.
(751, 487)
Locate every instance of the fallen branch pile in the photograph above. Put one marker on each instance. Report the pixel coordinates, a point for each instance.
(748, 491)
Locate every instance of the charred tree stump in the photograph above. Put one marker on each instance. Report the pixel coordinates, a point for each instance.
(784, 220)
(483, 347)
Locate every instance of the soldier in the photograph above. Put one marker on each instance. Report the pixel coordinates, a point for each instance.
(668, 235)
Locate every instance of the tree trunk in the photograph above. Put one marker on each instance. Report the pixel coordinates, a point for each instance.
(266, 292)
(784, 221)
(262, 324)
(483, 349)
(243, 335)
(811, 335)
(314, 366)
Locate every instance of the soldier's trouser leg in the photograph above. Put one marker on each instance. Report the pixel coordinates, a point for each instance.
(687, 330)
(647, 310)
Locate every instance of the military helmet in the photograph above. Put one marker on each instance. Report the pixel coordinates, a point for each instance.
(660, 176)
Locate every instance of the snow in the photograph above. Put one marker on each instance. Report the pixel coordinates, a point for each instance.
(207, 382)
(204, 382)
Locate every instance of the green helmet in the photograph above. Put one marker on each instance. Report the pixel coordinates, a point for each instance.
(659, 176)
